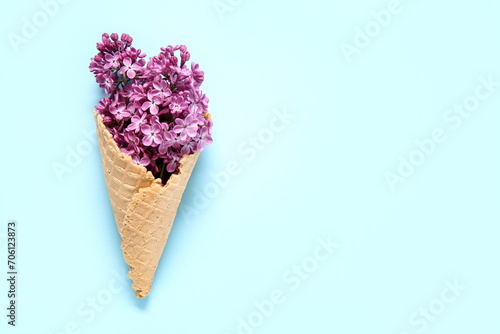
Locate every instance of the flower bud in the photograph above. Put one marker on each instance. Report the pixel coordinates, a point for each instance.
(105, 38)
(107, 120)
(185, 57)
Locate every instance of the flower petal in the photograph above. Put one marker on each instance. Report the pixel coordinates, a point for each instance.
(131, 74)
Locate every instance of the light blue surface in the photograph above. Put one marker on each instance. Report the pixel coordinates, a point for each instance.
(320, 174)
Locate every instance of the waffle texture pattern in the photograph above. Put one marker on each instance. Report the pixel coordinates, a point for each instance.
(144, 209)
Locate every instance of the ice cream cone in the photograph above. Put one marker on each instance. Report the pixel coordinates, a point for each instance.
(144, 209)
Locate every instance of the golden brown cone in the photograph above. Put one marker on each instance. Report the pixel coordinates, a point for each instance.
(144, 209)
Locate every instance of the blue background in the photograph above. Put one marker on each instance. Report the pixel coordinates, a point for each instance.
(323, 174)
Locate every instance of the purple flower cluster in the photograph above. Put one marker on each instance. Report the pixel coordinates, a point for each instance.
(155, 111)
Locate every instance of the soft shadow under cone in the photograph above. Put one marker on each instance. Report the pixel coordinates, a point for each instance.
(144, 209)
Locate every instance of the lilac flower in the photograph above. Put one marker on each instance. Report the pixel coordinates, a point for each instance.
(152, 103)
(172, 165)
(112, 60)
(177, 105)
(186, 127)
(96, 64)
(129, 67)
(119, 110)
(107, 80)
(209, 123)
(195, 109)
(143, 161)
(186, 95)
(138, 92)
(161, 89)
(198, 75)
(152, 119)
(152, 136)
(189, 148)
(167, 138)
(117, 136)
(203, 139)
(103, 107)
(133, 142)
(131, 109)
(134, 53)
(183, 72)
(175, 140)
(126, 89)
(137, 122)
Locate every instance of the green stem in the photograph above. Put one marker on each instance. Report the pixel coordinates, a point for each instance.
(161, 172)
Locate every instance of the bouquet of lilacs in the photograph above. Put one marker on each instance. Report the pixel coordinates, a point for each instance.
(155, 111)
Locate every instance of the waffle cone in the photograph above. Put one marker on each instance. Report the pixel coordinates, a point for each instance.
(144, 209)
